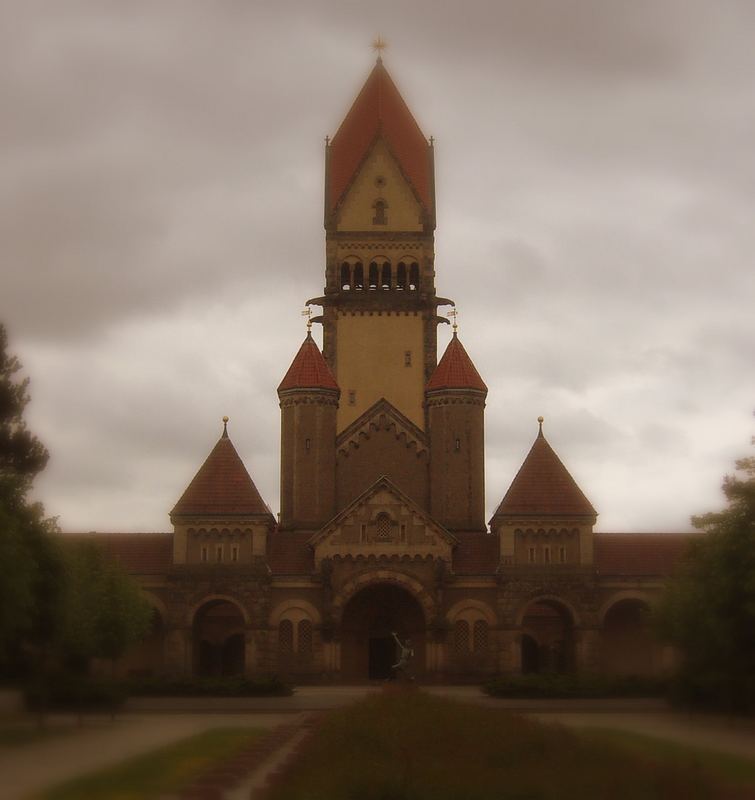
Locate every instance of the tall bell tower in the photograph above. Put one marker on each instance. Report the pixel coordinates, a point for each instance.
(380, 307)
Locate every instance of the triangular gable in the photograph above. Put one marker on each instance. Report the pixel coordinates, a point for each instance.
(383, 521)
(380, 138)
(363, 426)
(379, 109)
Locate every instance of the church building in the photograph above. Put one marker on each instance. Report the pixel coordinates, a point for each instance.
(382, 523)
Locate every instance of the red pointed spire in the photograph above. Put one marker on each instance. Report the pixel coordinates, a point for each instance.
(455, 370)
(544, 487)
(222, 486)
(379, 109)
(308, 370)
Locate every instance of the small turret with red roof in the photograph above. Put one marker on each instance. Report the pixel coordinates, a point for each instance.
(455, 399)
(308, 397)
(221, 517)
(544, 517)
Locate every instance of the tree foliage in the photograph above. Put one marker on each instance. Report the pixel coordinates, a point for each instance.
(30, 568)
(60, 601)
(708, 611)
(104, 611)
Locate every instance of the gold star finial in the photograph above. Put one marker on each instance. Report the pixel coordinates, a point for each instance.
(453, 314)
(378, 45)
(308, 314)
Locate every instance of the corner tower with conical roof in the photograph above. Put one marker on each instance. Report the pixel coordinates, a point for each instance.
(308, 397)
(380, 307)
(221, 517)
(456, 405)
(544, 519)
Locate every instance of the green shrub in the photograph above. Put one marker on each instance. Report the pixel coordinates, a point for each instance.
(553, 685)
(70, 692)
(237, 686)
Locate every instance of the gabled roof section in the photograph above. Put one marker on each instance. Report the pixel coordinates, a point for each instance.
(455, 370)
(544, 487)
(379, 110)
(382, 483)
(222, 487)
(476, 554)
(401, 424)
(137, 553)
(308, 370)
(641, 554)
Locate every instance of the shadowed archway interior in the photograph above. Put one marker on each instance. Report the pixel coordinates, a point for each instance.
(218, 640)
(367, 646)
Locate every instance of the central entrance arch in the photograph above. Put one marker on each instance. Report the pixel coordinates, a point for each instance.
(369, 618)
(218, 633)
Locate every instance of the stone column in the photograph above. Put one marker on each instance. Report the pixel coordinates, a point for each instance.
(178, 651)
(587, 649)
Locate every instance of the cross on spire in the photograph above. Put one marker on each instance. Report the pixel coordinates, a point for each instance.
(378, 45)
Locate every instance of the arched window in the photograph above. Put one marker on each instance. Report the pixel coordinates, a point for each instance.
(385, 280)
(285, 638)
(461, 637)
(373, 282)
(380, 218)
(345, 275)
(414, 276)
(383, 526)
(359, 277)
(305, 640)
(480, 636)
(401, 276)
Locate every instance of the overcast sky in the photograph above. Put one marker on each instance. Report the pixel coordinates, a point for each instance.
(161, 187)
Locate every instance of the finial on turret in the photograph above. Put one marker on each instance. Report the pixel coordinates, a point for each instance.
(308, 314)
(540, 421)
(225, 427)
(453, 314)
(378, 45)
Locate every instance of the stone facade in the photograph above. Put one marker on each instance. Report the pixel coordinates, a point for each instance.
(381, 526)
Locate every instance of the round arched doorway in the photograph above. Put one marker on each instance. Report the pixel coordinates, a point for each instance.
(627, 644)
(368, 649)
(218, 639)
(547, 638)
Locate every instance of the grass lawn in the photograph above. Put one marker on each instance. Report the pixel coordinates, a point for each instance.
(160, 772)
(411, 746)
(732, 769)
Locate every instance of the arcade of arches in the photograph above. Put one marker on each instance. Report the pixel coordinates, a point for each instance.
(466, 643)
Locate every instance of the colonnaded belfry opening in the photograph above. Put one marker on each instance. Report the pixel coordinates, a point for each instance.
(382, 527)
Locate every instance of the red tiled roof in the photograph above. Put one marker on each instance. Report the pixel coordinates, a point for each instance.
(475, 554)
(543, 486)
(379, 110)
(138, 553)
(308, 370)
(289, 554)
(455, 370)
(640, 553)
(222, 486)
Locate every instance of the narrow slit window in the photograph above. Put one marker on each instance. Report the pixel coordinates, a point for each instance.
(562, 554)
(407, 358)
(234, 553)
(203, 553)
(547, 555)
(352, 397)
(380, 217)
(531, 555)
(219, 553)
(307, 444)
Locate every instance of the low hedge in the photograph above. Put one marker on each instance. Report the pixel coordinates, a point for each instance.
(208, 687)
(70, 692)
(552, 685)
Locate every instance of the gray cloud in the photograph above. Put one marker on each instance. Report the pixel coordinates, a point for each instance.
(161, 221)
